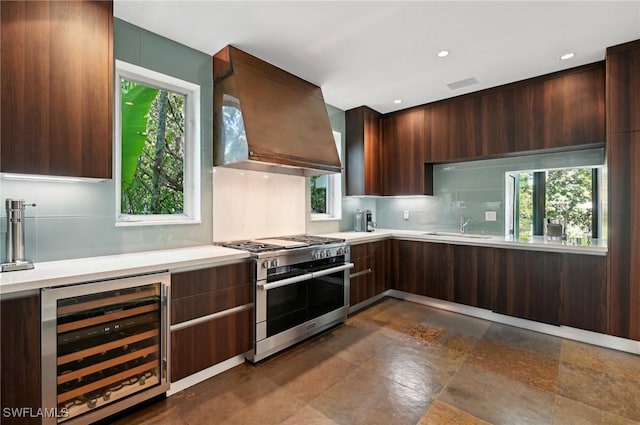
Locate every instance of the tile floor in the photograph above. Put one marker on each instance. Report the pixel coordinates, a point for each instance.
(403, 363)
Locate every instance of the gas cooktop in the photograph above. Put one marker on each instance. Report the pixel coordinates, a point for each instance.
(280, 243)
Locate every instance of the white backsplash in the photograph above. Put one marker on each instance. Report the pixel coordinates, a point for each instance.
(251, 204)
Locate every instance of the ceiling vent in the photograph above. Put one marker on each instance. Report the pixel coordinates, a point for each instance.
(462, 83)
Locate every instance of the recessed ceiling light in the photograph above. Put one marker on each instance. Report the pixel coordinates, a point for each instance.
(567, 56)
(397, 101)
(442, 53)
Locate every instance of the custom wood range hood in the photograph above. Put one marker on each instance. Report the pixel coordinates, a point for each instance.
(266, 119)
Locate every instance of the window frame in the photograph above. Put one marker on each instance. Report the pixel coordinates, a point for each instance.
(539, 200)
(191, 180)
(334, 189)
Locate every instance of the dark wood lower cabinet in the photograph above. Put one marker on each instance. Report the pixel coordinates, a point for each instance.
(424, 268)
(527, 284)
(382, 267)
(187, 308)
(584, 297)
(554, 288)
(371, 270)
(195, 282)
(361, 282)
(203, 345)
(199, 293)
(473, 273)
(20, 385)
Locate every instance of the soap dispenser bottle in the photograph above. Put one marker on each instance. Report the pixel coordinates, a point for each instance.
(358, 221)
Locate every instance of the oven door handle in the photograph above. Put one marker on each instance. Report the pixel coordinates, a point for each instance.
(332, 270)
(285, 282)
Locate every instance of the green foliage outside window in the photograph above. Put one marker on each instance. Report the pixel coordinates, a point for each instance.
(153, 148)
(318, 195)
(525, 204)
(568, 201)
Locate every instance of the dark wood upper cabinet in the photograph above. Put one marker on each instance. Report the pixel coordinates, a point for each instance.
(438, 130)
(560, 111)
(56, 72)
(455, 129)
(623, 86)
(565, 110)
(500, 110)
(363, 152)
(404, 144)
(465, 138)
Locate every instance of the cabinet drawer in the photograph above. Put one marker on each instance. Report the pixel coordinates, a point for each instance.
(187, 308)
(361, 288)
(359, 251)
(198, 347)
(187, 284)
(360, 265)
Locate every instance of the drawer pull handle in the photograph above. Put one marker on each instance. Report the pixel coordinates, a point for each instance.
(362, 273)
(210, 317)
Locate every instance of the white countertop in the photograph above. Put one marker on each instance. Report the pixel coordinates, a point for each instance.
(537, 243)
(63, 272)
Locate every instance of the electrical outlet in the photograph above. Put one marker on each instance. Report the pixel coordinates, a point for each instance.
(405, 215)
(490, 216)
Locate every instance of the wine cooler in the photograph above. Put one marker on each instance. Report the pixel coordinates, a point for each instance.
(104, 346)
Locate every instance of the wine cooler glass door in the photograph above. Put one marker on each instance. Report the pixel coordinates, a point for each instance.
(103, 346)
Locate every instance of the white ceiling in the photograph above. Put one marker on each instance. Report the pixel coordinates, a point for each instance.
(370, 53)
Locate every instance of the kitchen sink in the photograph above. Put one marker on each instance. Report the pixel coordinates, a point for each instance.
(457, 235)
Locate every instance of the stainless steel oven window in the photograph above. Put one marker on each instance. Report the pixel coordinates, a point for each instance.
(266, 346)
(50, 298)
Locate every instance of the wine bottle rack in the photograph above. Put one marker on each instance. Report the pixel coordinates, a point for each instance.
(108, 346)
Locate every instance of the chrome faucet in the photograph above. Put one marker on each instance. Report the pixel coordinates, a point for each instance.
(463, 223)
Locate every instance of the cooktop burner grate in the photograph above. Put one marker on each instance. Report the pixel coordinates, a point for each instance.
(286, 242)
(310, 239)
(253, 246)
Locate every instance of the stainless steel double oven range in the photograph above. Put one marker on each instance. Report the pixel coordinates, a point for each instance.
(301, 288)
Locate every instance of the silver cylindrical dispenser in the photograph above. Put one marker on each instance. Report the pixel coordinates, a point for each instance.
(15, 254)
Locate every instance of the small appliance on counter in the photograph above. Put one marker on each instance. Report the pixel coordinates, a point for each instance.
(15, 237)
(364, 221)
(555, 231)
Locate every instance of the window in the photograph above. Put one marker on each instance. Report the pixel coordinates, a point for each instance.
(568, 197)
(157, 148)
(326, 192)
